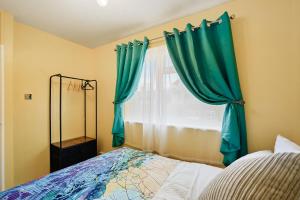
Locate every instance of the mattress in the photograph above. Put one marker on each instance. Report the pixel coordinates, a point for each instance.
(120, 174)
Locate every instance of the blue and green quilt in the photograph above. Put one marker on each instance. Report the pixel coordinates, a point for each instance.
(121, 174)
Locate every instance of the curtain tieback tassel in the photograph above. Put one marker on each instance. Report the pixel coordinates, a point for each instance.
(241, 102)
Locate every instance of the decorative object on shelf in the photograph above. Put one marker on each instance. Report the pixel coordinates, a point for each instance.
(64, 153)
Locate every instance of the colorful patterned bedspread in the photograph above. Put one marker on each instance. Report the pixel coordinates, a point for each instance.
(121, 174)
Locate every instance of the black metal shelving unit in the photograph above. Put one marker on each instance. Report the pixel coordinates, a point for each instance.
(68, 152)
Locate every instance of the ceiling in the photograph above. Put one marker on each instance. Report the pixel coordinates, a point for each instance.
(86, 23)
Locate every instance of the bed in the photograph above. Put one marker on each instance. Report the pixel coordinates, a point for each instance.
(131, 174)
(120, 174)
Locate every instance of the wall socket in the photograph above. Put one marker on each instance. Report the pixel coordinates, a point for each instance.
(28, 96)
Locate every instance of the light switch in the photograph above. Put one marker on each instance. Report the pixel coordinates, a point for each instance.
(28, 96)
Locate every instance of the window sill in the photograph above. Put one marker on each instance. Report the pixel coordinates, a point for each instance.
(179, 126)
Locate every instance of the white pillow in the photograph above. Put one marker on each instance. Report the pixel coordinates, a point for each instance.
(256, 154)
(283, 144)
(274, 177)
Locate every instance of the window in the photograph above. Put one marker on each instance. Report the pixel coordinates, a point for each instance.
(161, 98)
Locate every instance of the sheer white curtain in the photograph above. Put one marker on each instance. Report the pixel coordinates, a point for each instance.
(164, 117)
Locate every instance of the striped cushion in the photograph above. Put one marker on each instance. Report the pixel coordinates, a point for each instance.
(274, 176)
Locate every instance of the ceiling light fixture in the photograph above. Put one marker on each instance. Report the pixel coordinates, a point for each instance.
(102, 3)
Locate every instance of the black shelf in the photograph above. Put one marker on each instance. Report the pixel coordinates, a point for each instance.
(64, 153)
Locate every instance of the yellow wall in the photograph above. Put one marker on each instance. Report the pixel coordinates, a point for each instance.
(37, 55)
(267, 43)
(6, 39)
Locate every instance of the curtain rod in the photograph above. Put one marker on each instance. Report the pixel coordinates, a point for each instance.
(209, 22)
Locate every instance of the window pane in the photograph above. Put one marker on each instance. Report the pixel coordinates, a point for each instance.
(163, 99)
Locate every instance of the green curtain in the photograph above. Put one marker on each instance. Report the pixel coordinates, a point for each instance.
(205, 62)
(130, 60)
